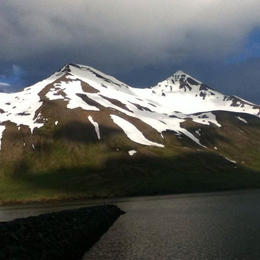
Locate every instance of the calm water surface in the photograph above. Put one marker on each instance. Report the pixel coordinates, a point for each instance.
(203, 226)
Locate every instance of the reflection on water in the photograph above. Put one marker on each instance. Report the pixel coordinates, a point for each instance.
(206, 226)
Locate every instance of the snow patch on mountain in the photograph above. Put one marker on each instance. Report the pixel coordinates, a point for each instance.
(242, 119)
(96, 126)
(20, 107)
(192, 137)
(132, 152)
(132, 132)
(232, 161)
(97, 79)
(205, 119)
(198, 132)
(53, 94)
(71, 91)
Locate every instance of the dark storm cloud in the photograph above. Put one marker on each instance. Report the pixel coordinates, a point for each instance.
(140, 42)
(241, 79)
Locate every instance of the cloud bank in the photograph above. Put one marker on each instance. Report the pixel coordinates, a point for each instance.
(122, 37)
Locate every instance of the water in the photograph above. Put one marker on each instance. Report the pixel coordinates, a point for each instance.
(204, 226)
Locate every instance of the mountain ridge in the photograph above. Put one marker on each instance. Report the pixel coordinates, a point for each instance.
(80, 119)
(162, 107)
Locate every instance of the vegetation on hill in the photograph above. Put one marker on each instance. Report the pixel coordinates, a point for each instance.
(67, 161)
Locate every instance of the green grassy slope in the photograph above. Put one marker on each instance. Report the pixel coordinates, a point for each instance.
(70, 162)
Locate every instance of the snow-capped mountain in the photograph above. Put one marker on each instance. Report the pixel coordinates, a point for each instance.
(81, 130)
(161, 108)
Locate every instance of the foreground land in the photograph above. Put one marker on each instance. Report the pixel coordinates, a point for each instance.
(194, 172)
(61, 235)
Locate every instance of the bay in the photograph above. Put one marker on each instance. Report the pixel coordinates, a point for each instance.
(223, 225)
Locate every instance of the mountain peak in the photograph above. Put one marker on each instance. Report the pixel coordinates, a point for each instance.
(180, 72)
(183, 76)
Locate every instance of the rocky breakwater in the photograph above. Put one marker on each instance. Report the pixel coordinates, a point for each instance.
(60, 235)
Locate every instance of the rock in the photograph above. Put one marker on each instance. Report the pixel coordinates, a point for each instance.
(60, 235)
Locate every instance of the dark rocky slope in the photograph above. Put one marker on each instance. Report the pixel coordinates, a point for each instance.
(60, 235)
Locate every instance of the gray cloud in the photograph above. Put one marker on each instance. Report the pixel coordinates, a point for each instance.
(144, 28)
(120, 36)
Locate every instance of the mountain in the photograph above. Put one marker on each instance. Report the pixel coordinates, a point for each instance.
(81, 132)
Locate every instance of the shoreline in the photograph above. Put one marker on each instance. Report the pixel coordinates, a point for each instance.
(105, 200)
(11, 212)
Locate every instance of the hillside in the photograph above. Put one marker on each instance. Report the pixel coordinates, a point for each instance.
(82, 133)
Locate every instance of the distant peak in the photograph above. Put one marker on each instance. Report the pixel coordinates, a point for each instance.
(67, 68)
(180, 72)
(183, 76)
(68, 65)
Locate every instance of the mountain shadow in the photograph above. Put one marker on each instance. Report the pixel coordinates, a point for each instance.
(143, 175)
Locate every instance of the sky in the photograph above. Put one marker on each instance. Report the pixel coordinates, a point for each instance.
(140, 42)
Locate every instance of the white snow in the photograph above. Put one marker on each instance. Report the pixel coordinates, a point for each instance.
(87, 74)
(96, 126)
(198, 132)
(20, 107)
(192, 137)
(230, 160)
(205, 119)
(132, 132)
(132, 152)
(160, 112)
(71, 89)
(53, 94)
(192, 101)
(242, 119)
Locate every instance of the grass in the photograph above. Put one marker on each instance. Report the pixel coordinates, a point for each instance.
(148, 175)
(65, 166)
